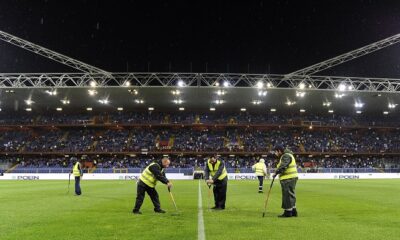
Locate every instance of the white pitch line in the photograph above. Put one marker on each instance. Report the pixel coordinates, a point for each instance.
(200, 227)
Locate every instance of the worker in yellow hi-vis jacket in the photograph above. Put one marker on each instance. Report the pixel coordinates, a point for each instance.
(287, 170)
(78, 173)
(154, 172)
(261, 171)
(216, 174)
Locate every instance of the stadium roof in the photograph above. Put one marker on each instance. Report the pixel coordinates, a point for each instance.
(100, 90)
(133, 98)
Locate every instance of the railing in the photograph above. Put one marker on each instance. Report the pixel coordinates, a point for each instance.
(349, 170)
(189, 171)
(378, 152)
(186, 171)
(240, 124)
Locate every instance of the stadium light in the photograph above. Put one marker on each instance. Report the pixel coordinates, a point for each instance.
(219, 101)
(181, 83)
(93, 84)
(51, 93)
(358, 112)
(181, 109)
(290, 103)
(89, 109)
(385, 112)
(243, 109)
(104, 101)
(326, 104)
(302, 85)
(127, 84)
(28, 109)
(120, 109)
(256, 102)
(133, 91)
(139, 101)
(392, 105)
(92, 92)
(178, 101)
(273, 110)
(212, 109)
(65, 101)
(358, 104)
(221, 92)
(300, 94)
(260, 84)
(302, 110)
(151, 109)
(176, 92)
(269, 85)
(226, 84)
(59, 109)
(29, 102)
(339, 95)
(262, 93)
(330, 111)
(342, 87)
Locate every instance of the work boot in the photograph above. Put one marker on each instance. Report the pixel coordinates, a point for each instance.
(136, 212)
(286, 214)
(159, 211)
(294, 212)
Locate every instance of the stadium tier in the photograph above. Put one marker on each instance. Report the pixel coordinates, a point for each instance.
(123, 140)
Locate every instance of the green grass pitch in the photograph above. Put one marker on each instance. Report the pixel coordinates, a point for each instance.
(328, 209)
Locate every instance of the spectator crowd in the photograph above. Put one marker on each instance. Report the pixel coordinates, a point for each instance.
(115, 140)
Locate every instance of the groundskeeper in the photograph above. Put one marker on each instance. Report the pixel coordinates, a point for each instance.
(78, 173)
(154, 172)
(215, 173)
(261, 171)
(287, 170)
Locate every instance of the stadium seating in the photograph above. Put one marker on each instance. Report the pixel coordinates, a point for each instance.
(117, 140)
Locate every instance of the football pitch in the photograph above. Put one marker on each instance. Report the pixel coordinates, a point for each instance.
(328, 209)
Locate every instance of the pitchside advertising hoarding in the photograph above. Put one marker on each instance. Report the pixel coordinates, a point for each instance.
(344, 176)
(97, 176)
(181, 176)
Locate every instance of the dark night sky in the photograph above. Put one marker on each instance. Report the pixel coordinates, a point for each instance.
(229, 36)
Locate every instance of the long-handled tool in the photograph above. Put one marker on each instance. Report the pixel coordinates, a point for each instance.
(173, 200)
(69, 181)
(209, 197)
(266, 199)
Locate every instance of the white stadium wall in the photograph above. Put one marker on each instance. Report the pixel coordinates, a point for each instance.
(181, 176)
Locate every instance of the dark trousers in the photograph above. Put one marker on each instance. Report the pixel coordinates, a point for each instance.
(220, 187)
(78, 185)
(260, 183)
(288, 193)
(142, 188)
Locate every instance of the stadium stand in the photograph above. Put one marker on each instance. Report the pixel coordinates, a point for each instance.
(123, 140)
